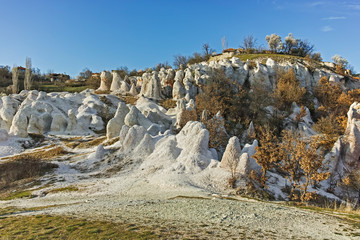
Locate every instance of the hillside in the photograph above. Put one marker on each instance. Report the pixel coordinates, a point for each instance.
(190, 148)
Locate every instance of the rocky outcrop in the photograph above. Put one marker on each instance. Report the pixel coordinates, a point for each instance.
(231, 155)
(106, 80)
(151, 86)
(117, 122)
(116, 81)
(351, 137)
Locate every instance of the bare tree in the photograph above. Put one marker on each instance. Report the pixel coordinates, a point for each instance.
(15, 79)
(180, 61)
(27, 81)
(249, 42)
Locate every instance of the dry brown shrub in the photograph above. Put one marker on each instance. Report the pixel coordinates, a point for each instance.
(288, 90)
(102, 92)
(224, 95)
(22, 168)
(91, 143)
(186, 116)
(267, 153)
(167, 103)
(328, 94)
(331, 129)
(218, 138)
(339, 69)
(312, 164)
(45, 153)
(128, 99)
(111, 141)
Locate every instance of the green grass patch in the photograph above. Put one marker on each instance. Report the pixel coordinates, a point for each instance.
(63, 227)
(65, 189)
(15, 195)
(273, 56)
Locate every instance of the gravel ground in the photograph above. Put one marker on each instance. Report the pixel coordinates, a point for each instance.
(205, 217)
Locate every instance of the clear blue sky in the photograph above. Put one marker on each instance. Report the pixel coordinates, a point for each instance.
(69, 35)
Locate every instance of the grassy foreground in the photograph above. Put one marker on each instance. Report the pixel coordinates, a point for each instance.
(63, 227)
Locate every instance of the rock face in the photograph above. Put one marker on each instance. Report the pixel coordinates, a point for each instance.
(178, 91)
(352, 136)
(56, 113)
(106, 80)
(151, 86)
(7, 112)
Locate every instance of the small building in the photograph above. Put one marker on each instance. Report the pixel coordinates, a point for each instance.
(55, 77)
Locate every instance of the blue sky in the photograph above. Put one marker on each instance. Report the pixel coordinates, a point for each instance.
(69, 35)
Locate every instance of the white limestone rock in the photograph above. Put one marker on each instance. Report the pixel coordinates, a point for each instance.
(179, 76)
(122, 135)
(133, 90)
(116, 81)
(145, 147)
(133, 137)
(4, 136)
(135, 117)
(59, 123)
(116, 123)
(124, 87)
(178, 91)
(231, 155)
(7, 112)
(260, 74)
(195, 155)
(352, 136)
(106, 80)
(100, 152)
(72, 121)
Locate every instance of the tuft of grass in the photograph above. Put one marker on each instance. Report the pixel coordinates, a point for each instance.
(274, 56)
(111, 141)
(91, 143)
(128, 99)
(65, 189)
(15, 195)
(167, 103)
(102, 92)
(45, 153)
